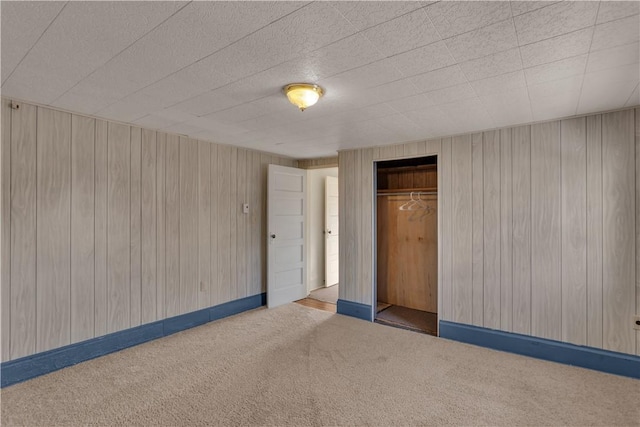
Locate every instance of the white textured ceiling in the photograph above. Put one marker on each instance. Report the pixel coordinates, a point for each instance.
(393, 71)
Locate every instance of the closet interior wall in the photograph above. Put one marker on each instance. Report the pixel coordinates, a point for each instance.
(407, 243)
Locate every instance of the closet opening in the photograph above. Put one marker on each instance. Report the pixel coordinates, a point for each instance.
(407, 244)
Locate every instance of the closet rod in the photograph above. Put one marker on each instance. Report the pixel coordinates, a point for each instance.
(408, 193)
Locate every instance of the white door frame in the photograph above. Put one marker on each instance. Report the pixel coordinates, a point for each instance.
(374, 229)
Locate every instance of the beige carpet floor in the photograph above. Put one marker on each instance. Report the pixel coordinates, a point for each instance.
(295, 365)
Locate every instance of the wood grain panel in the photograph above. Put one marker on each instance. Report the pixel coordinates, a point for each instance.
(264, 162)
(433, 146)
(148, 230)
(23, 231)
(232, 207)
(521, 244)
(618, 192)
(241, 234)
(256, 215)
(506, 232)
(352, 226)
(444, 193)
(161, 224)
(223, 221)
(82, 227)
(357, 212)
(366, 235)
(574, 230)
(325, 162)
(5, 267)
(546, 243)
(477, 226)
(637, 147)
(411, 149)
(53, 222)
(594, 231)
(118, 226)
(189, 268)
(492, 229)
(172, 226)
(387, 152)
(462, 249)
(407, 254)
(101, 253)
(215, 201)
(204, 223)
(136, 226)
(342, 214)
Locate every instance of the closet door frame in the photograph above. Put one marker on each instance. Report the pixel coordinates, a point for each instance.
(374, 207)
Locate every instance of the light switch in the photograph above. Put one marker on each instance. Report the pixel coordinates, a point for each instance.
(245, 208)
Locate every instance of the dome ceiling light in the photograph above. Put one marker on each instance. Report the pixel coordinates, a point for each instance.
(303, 95)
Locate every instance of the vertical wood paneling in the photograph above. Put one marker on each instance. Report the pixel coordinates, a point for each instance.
(594, 231)
(445, 218)
(148, 227)
(101, 203)
(172, 226)
(53, 222)
(5, 267)
(521, 198)
(224, 235)
(462, 250)
(356, 198)
(477, 225)
(618, 192)
(637, 149)
(506, 232)
(264, 162)
(241, 183)
(204, 223)
(23, 231)
(215, 201)
(366, 235)
(82, 227)
(574, 230)
(342, 199)
(135, 226)
(546, 288)
(189, 286)
(411, 149)
(492, 229)
(118, 228)
(255, 213)
(161, 225)
(232, 207)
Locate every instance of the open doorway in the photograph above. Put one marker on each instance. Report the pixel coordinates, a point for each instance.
(323, 235)
(407, 244)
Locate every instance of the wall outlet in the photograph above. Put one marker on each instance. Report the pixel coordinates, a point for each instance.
(636, 322)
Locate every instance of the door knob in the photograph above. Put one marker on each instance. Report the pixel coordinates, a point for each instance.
(273, 236)
(329, 231)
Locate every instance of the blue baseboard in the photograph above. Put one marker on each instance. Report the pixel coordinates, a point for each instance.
(28, 367)
(355, 309)
(586, 357)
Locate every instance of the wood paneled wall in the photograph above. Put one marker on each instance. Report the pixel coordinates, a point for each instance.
(107, 226)
(324, 162)
(539, 228)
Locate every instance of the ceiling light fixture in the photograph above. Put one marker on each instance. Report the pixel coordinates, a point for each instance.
(303, 95)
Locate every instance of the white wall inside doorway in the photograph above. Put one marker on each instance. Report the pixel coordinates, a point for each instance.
(315, 225)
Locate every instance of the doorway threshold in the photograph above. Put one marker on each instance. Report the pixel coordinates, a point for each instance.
(407, 318)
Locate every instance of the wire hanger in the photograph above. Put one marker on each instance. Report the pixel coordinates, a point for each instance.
(414, 204)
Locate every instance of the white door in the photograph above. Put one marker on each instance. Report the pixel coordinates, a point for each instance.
(332, 231)
(286, 239)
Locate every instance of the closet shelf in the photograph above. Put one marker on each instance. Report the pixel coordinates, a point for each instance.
(404, 190)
